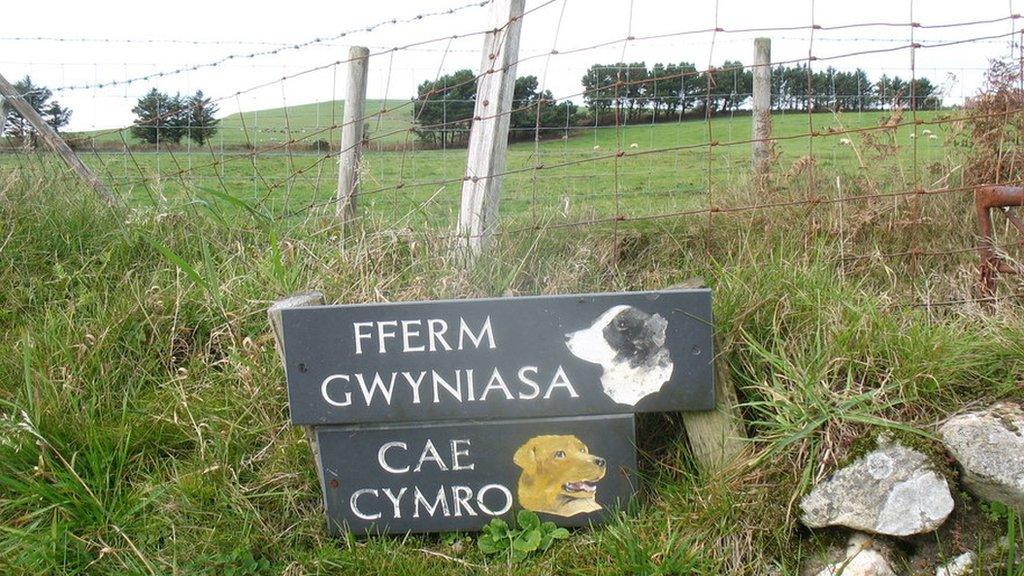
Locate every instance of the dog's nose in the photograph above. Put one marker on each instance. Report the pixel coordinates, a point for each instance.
(599, 461)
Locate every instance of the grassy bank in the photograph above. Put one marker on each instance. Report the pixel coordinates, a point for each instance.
(143, 417)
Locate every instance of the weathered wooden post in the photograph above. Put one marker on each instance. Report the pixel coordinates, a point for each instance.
(352, 131)
(54, 141)
(488, 137)
(761, 120)
(717, 436)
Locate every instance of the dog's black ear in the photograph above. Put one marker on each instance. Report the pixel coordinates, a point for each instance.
(526, 456)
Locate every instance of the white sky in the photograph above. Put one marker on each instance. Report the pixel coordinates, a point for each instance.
(234, 26)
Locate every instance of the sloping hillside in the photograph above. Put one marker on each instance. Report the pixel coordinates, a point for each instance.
(305, 122)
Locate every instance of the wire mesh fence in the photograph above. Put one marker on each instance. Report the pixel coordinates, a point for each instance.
(866, 143)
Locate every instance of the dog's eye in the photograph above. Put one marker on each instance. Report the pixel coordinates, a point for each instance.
(559, 455)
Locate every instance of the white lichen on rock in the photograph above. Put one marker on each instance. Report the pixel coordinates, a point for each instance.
(989, 446)
(893, 490)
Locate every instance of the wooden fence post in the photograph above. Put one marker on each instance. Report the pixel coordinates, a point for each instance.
(717, 437)
(312, 298)
(54, 141)
(488, 136)
(352, 131)
(761, 123)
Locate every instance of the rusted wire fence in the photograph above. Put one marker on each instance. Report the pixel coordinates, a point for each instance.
(883, 173)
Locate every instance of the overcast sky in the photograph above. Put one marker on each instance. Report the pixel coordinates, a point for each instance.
(99, 41)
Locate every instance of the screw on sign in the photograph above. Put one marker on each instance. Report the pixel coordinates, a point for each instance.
(438, 416)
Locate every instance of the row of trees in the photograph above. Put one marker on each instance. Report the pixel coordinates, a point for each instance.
(159, 117)
(162, 118)
(443, 109)
(14, 125)
(667, 89)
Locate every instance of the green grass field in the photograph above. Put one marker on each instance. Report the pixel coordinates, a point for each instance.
(666, 167)
(143, 414)
(310, 122)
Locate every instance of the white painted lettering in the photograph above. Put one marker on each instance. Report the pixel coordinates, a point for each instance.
(327, 397)
(383, 452)
(440, 502)
(456, 453)
(360, 336)
(378, 384)
(437, 328)
(469, 384)
(485, 330)
(456, 392)
(354, 503)
(430, 455)
(531, 383)
(407, 333)
(460, 499)
(395, 500)
(485, 509)
(383, 335)
(560, 380)
(496, 383)
(415, 385)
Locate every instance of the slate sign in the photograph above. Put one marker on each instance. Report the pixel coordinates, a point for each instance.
(439, 416)
(500, 358)
(443, 477)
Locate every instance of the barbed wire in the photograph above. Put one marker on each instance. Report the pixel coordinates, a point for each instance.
(300, 160)
(593, 158)
(617, 85)
(270, 52)
(335, 63)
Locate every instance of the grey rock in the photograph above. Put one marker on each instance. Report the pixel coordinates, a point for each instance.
(958, 566)
(989, 446)
(892, 490)
(863, 558)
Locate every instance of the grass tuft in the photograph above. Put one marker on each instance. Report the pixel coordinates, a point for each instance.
(143, 416)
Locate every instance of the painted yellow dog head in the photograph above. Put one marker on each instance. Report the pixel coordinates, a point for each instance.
(559, 475)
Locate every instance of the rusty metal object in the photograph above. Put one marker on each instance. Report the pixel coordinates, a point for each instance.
(1005, 198)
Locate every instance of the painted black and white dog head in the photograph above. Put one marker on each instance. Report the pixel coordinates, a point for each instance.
(629, 344)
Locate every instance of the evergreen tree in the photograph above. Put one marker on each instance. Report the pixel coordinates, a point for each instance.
(599, 87)
(158, 118)
(444, 107)
(15, 125)
(927, 96)
(636, 88)
(198, 118)
(535, 112)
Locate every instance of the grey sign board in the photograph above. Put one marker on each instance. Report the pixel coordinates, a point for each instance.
(528, 357)
(457, 476)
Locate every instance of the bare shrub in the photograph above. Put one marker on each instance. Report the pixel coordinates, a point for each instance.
(993, 127)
